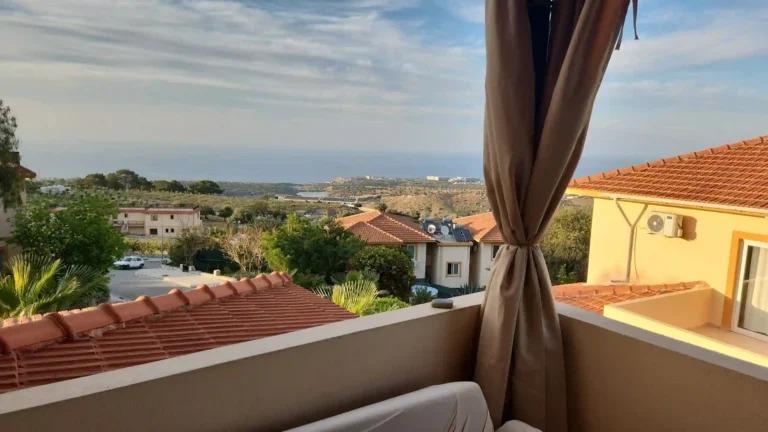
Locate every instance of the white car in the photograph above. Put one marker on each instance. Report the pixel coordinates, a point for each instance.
(131, 262)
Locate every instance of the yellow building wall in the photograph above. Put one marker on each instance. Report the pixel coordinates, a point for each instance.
(701, 254)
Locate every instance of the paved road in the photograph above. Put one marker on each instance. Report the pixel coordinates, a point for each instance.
(127, 285)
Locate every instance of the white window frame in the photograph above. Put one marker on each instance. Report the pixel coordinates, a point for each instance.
(415, 251)
(744, 247)
(496, 247)
(448, 269)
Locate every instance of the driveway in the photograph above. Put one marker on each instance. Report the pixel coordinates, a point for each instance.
(126, 285)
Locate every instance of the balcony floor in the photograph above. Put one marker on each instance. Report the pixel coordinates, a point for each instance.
(753, 345)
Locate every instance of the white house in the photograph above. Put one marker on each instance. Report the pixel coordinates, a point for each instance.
(449, 258)
(377, 228)
(156, 222)
(488, 241)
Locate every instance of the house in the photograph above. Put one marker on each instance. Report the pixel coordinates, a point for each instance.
(154, 221)
(7, 218)
(378, 228)
(488, 241)
(696, 224)
(437, 178)
(449, 260)
(66, 345)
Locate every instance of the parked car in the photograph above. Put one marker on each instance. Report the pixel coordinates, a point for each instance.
(130, 262)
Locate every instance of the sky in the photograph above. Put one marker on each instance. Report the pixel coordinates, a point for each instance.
(304, 90)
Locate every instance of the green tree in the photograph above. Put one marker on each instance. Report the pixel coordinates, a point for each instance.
(393, 264)
(382, 207)
(80, 235)
(38, 284)
(355, 296)
(384, 304)
(565, 245)
(94, 180)
(421, 295)
(11, 181)
(226, 212)
(300, 246)
(169, 186)
(188, 243)
(206, 187)
(207, 211)
(267, 223)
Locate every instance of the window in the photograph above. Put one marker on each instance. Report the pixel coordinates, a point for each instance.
(125, 215)
(166, 230)
(171, 217)
(154, 218)
(750, 315)
(494, 251)
(411, 251)
(454, 269)
(173, 230)
(153, 231)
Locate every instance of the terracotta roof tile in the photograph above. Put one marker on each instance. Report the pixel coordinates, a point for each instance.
(482, 226)
(734, 175)
(594, 298)
(61, 346)
(375, 227)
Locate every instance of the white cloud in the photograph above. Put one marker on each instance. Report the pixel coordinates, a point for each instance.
(712, 37)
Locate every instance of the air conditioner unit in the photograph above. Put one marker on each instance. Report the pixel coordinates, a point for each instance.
(668, 224)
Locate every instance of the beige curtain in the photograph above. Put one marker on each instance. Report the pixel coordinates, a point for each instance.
(541, 81)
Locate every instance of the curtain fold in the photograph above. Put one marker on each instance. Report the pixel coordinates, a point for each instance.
(538, 106)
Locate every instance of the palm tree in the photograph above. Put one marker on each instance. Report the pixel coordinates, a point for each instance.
(38, 285)
(354, 295)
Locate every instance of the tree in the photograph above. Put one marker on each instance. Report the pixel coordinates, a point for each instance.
(421, 295)
(226, 212)
(206, 187)
(11, 182)
(169, 186)
(308, 249)
(267, 223)
(565, 244)
(38, 284)
(186, 245)
(207, 211)
(384, 304)
(80, 235)
(243, 246)
(393, 264)
(382, 207)
(94, 180)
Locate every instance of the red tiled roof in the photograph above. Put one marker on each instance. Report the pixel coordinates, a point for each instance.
(482, 226)
(25, 172)
(733, 175)
(593, 298)
(375, 227)
(151, 210)
(66, 345)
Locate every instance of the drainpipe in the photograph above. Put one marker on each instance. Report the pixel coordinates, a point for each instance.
(631, 244)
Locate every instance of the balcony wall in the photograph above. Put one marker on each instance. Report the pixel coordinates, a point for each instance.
(619, 378)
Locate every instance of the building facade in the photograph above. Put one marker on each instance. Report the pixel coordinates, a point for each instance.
(488, 241)
(156, 222)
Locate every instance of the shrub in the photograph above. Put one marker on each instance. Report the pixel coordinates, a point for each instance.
(421, 295)
(385, 304)
(468, 288)
(393, 265)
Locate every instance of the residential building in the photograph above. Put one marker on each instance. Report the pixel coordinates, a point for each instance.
(488, 241)
(437, 178)
(449, 259)
(8, 250)
(378, 228)
(156, 222)
(698, 221)
(66, 345)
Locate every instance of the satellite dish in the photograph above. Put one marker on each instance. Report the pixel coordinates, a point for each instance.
(656, 223)
(444, 230)
(431, 229)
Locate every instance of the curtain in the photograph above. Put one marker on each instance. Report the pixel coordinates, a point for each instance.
(545, 63)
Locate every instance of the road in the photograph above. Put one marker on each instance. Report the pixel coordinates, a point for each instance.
(128, 286)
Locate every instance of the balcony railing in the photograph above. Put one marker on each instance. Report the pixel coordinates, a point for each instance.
(618, 378)
(128, 222)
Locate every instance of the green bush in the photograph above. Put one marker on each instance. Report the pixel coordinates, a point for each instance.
(421, 295)
(385, 304)
(308, 281)
(393, 265)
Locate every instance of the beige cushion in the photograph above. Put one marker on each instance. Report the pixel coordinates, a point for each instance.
(449, 407)
(516, 426)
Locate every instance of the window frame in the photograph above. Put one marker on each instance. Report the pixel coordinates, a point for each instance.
(448, 269)
(171, 217)
(154, 218)
(495, 248)
(153, 229)
(415, 255)
(738, 291)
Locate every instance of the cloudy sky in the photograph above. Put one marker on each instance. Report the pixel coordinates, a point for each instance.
(204, 78)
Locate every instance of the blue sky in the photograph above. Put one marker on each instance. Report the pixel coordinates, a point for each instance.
(161, 77)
